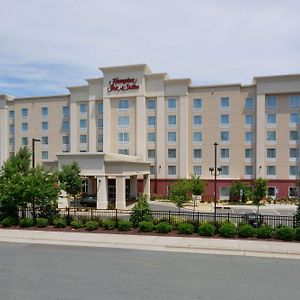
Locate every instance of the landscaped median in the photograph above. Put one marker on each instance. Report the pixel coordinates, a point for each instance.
(151, 226)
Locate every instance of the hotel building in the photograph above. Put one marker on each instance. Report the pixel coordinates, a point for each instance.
(132, 123)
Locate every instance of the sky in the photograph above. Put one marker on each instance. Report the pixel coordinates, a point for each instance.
(50, 44)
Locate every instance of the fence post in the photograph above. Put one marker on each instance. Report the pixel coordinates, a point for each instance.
(169, 216)
(116, 218)
(228, 217)
(198, 219)
(91, 214)
(68, 215)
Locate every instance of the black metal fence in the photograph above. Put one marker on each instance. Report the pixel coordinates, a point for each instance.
(172, 217)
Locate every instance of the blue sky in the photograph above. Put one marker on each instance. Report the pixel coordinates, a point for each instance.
(47, 45)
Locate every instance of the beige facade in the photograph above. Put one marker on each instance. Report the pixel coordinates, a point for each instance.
(168, 122)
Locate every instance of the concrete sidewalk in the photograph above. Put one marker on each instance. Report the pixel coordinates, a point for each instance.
(273, 249)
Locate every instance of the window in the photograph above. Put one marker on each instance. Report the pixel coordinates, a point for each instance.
(197, 104)
(151, 121)
(123, 104)
(11, 141)
(271, 136)
(151, 104)
(295, 101)
(44, 154)
(151, 153)
(224, 103)
(294, 153)
(100, 108)
(271, 153)
(100, 138)
(171, 103)
(66, 111)
(249, 153)
(271, 192)
(11, 114)
(11, 128)
(293, 170)
(83, 108)
(197, 137)
(123, 151)
(224, 119)
(224, 193)
(24, 112)
(249, 170)
(225, 170)
(197, 170)
(83, 124)
(224, 136)
(123, 121)
(271, 119)
(197, 153)
(123, 137)
(24, 141)
(151, 137)
(249, 103)
(293, 191)
(24, 126)
(65, 140)
(45, 126)
(249, 137)
(65, 125)
(44, 140)
(44, 111)
(249, 120)
(172, 137)
(171, 153)
(271, 102)
(83, 139)
(152, 170)
(294, 118)
(100, 123)
(172, 170)
(197, 120)
(294, 136)
(224, 153)
(172, 120)
(271, 170)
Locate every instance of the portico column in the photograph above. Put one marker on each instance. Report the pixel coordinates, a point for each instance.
(120, 192)
(146, 183)
(102, 201)
(133, 186)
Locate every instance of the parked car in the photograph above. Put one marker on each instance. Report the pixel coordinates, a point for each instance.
(254, 219)
(89, 200)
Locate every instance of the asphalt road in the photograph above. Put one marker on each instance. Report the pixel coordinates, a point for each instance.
(59, 272)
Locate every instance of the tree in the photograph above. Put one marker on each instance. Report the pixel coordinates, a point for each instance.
(70, 179)
(141, 211)
(235, 191)
(197, 185)
(179, 192)
(259, 191)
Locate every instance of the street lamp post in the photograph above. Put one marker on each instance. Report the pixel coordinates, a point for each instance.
(33, 150)
(215, 171)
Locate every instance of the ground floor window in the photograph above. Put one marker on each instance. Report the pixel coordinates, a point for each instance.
(224, 193)
(293, 191)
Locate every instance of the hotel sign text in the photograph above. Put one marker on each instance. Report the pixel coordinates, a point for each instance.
(125, 84)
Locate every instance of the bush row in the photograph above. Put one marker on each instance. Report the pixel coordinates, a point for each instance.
(209, 229)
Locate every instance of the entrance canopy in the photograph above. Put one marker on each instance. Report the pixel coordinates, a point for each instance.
(110, 165)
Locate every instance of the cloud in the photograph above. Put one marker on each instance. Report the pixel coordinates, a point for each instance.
(47, 45)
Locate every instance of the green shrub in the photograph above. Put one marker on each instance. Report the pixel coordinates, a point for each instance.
(185, 228)
(77, 224)
(297, 234)
(41, 222)
(164, 227)
(207, 229)
(26, 222)
(146, 226)
(91, 225)
(141, 211)
(246, 231)
(124, 225)
(228, 229)
(109, 224)
(264, 232)
(284, 233)
(9, 221)
(59, 223)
